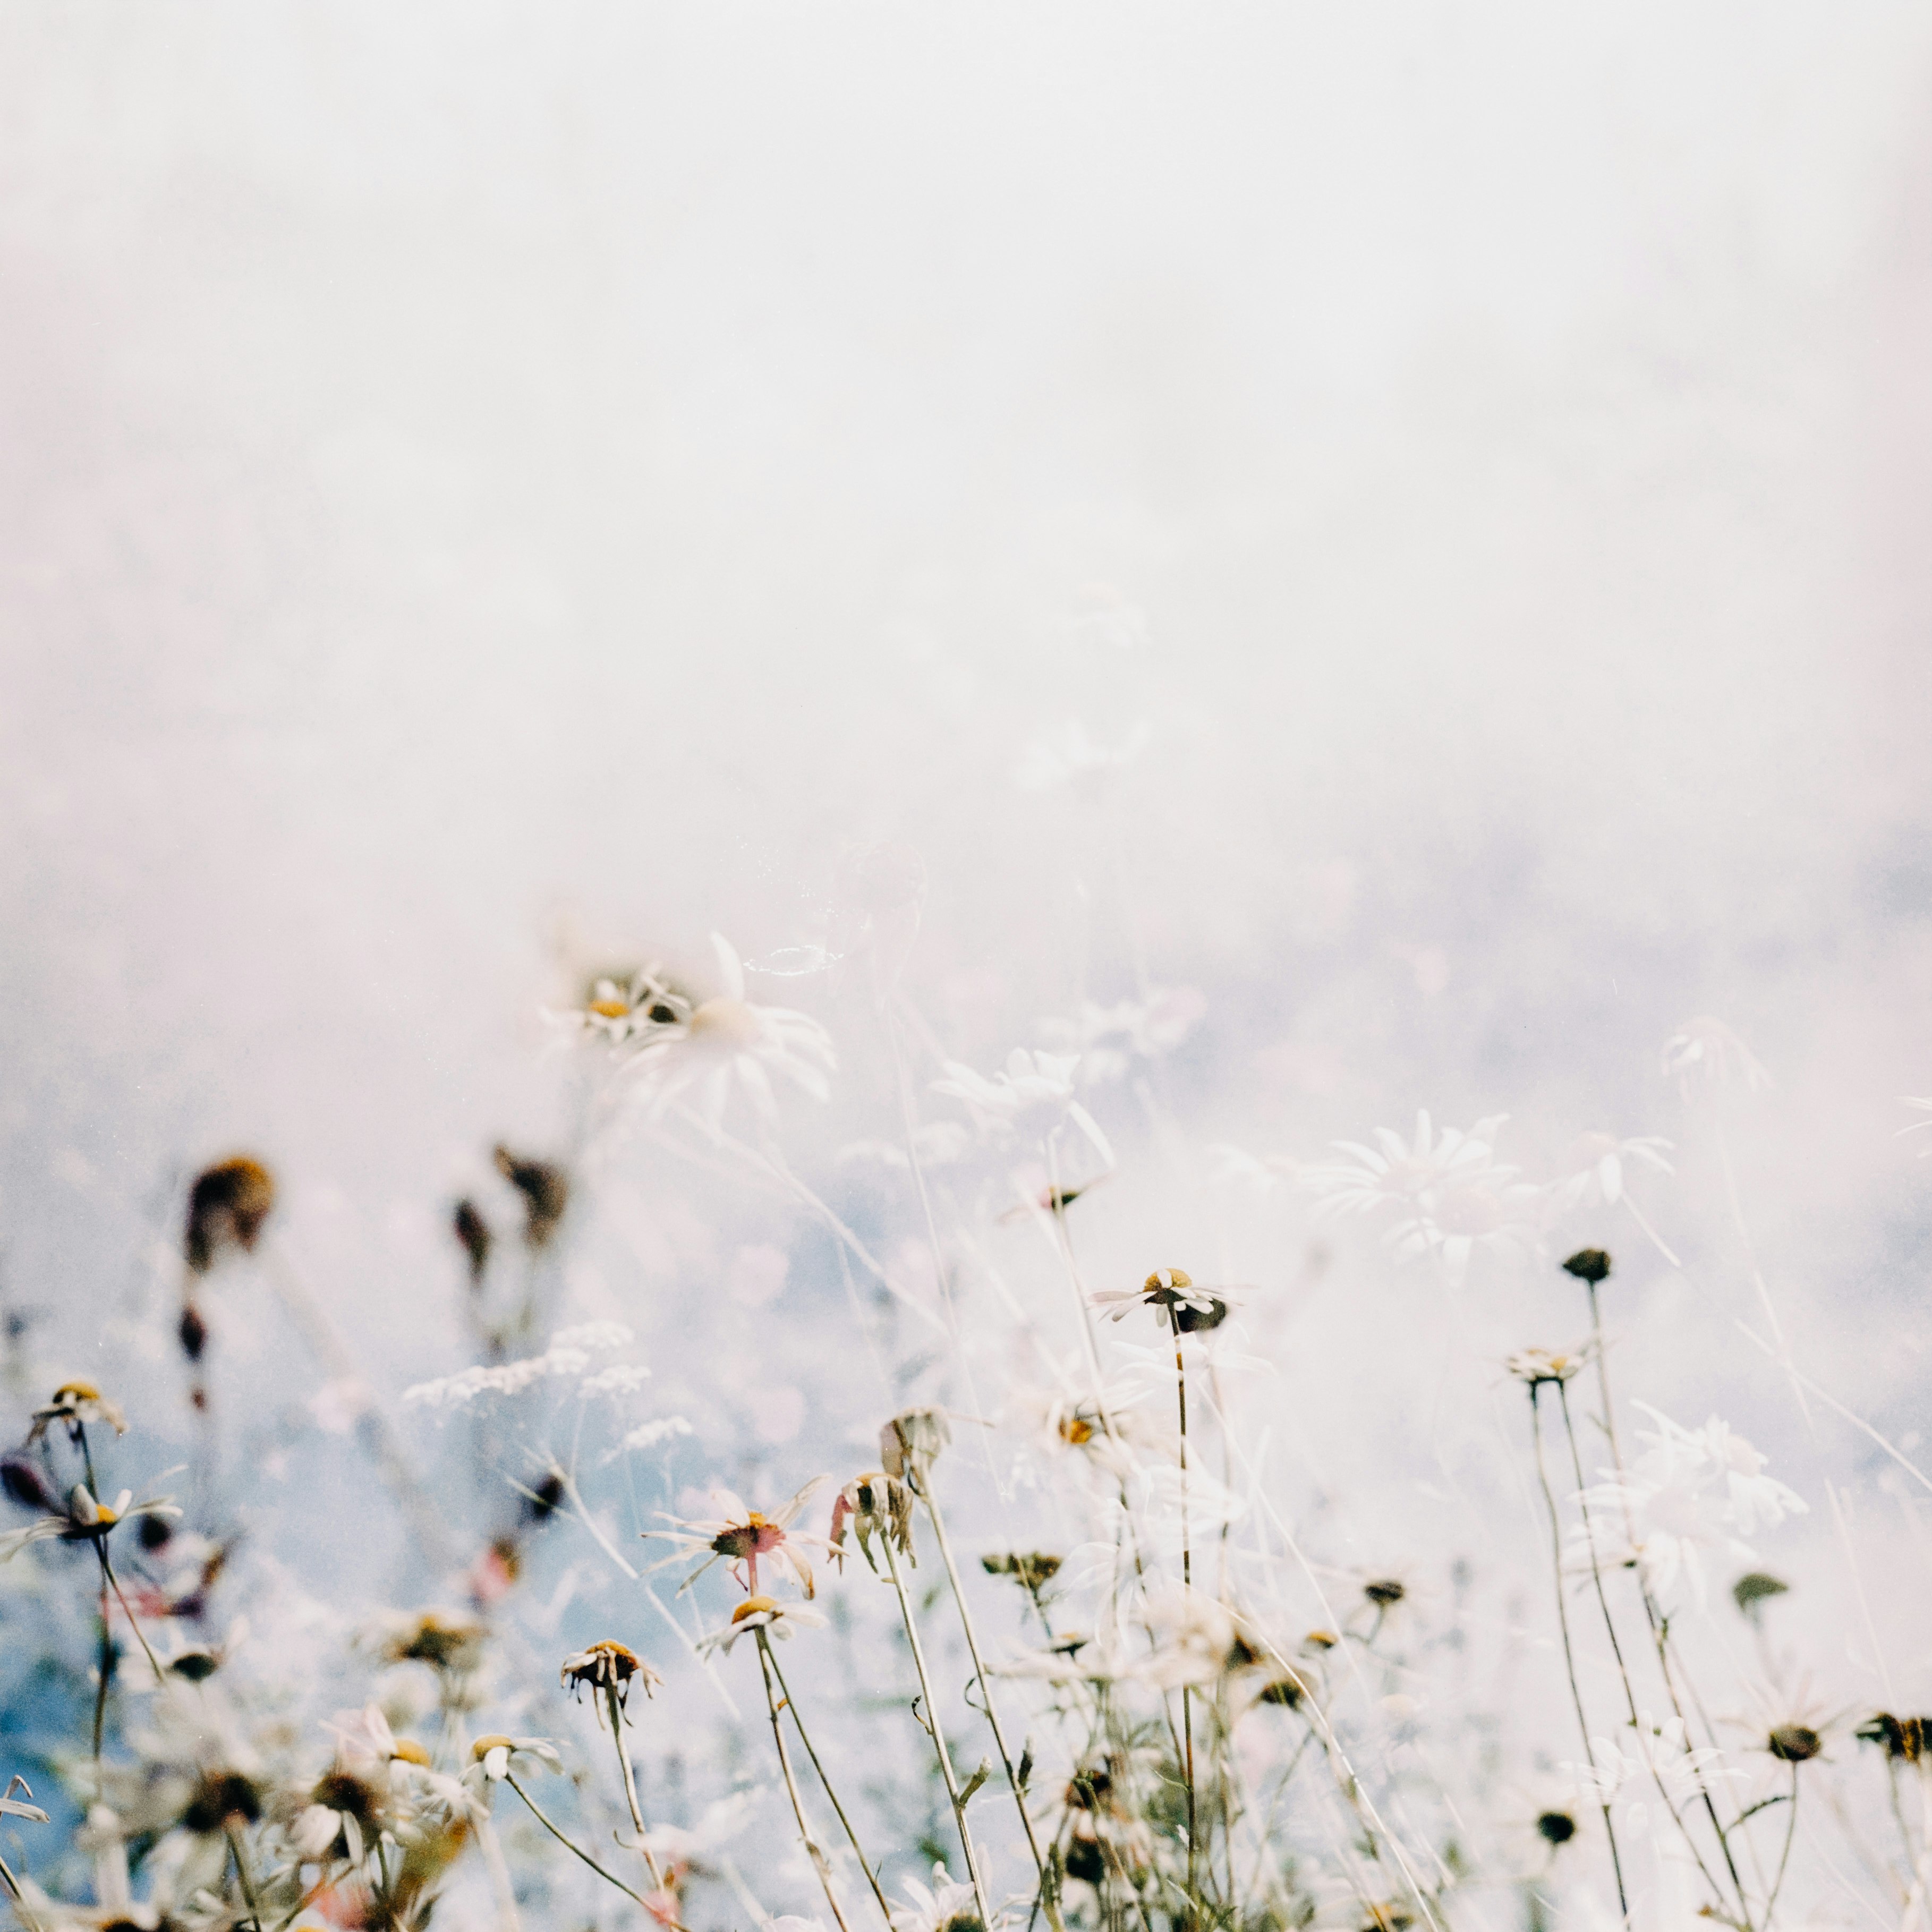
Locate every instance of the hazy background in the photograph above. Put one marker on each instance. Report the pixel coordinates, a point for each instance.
(472, 476)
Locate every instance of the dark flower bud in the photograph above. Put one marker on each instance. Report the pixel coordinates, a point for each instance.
(223, 1796)
(193, 1332)
(1754, 1589)
(22, 1478)
(1590, 1264)
(1384, 1592)
(153, 1532)
(472, 1232)
(226, 1207)
(545, 1189)
(1285, 1691)
(544, 1498)
(1795, 1743)
(1556, 1828)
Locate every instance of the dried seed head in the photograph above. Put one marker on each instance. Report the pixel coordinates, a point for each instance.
(608, 1666)
(544, 1498)
(1384, 1592)
(1556, 1828)
(546, 1192)
(874, 1504)
(226, 1207)
(1754, 1589)
(222, 1798)
(473, 1235)
(913, 1438)
(1904, 1738)
(1795, 1743)
(1033, 1571)
(1590, 1264)
(1288, 1692)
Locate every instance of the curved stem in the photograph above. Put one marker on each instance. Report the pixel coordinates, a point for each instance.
(570, 1844)
(784, 1691)
(820, 1863)
(932, 1723)
(923, 1488)
(616, 1711)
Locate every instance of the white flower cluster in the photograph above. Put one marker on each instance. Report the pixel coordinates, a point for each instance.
(569, 1354)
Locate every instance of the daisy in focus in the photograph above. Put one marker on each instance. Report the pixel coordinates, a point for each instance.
(743, 1537)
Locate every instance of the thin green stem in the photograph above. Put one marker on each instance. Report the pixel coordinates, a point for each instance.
(617, 1712)
(820, 1863)
(791, 1705)
(938, 1737)
(1187, 1590)
(922, 1474)
(1784, 1858)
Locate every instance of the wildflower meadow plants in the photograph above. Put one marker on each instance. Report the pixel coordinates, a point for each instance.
(996, 1585)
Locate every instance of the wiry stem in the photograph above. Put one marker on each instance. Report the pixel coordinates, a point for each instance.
(568, 1843)
(1563, 1624)
(820, 1863)
(931, 1722)
(921, 1472)
(804, 1738)
(616, 1713)
(1187, 1590)
(1784, 1858)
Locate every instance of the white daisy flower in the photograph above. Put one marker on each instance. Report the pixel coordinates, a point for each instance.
(1030, 1099)
(730, 1046)
(1395, 1173)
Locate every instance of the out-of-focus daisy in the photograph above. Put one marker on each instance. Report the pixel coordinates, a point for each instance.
(626, 1008)
(1197, 1640)
(1705, 1052)
(1030, 1099)
(75, 1404)
(743, 1536)
(1406, 1175)
(767, 1614)
(493, 1756)
(1107, 1040)
(1496, 1213)
(1662, 1751)
(1600, 1170)
(85, 1520)
(944, 1907)
(1692, 1493)
(1538, 1368)
(343, 1809)
(731, 1047)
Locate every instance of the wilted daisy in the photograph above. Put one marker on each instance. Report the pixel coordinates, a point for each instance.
(77, 1403)
(227, 1207)
(913, 1438)
(439, 1638)
(730, 1047)
(762, 1613)
(743, 1536)
(609, 1669)
(874, 1504)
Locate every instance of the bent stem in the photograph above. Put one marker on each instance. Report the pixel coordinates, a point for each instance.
(616, 1711)
(784, 1691)
(1563, 1624)
(570, 1844)
(820, 1863)
(931, 1720)
(921, 1472)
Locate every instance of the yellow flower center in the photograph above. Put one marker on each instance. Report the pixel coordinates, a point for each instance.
(752, 1606)
(484, 1746)
(409, 1751)
(77, 1392)
(609, 1010)
(728, 1023)
(1076, 1429)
